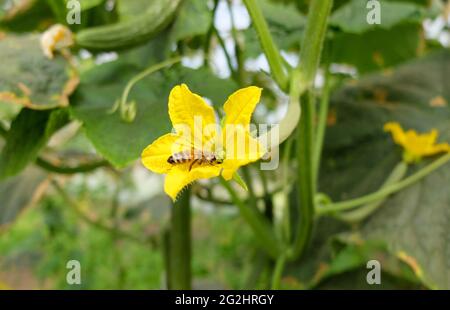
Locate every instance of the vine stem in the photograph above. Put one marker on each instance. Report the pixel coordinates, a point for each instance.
(278, 272)
(321, 124)
(178, 245)
(259, 224)
(268, 45)
(123, 105)
(302, 79)
(385, 191)
(83, 168)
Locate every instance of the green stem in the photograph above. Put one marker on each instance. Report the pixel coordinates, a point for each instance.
(178, 243)
(127, 108)
(278, 272)
(268, 45)
(311, 47)
(209, 34)
(260, 225)
(237, 46)
(44, 164)
(251, 189)
(286, 223)
(384, 192)
(306, 186)
(364, 211)
(321, 125)
(302, 79)
(220, 201)
(227, 55)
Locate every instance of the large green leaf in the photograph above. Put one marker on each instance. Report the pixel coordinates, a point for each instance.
(330, 258)
(17, 193)
(121, 142)
(25, 15)
(194, 18)
(29, 78)
(414, 223)
(352, 17)
(378, 48)
(29, 132)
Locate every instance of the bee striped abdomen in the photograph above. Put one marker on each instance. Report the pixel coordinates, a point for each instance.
(179, 158)
(195, 157)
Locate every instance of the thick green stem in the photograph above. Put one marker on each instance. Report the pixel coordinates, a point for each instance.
(268, 45)
(321, 125)
(178, 243)
(302, 79)
(311, 48)
(286, 222)
(306, 186)
(259, 224)
(384, 192)
(278, 272)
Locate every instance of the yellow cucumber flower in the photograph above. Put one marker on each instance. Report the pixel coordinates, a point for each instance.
(416, 145)
(57, 37)
(199, 148)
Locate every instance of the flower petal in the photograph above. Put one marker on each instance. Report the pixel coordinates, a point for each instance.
(240, 105)
(438, 148)
(187, 110)
(241, 149)
(396, 131)
(179, 176)
(154, 157)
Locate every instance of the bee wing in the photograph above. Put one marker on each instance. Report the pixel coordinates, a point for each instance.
(182, 146)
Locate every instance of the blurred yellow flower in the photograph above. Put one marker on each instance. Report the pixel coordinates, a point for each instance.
(199, 148)
(55, 38)
(416, 145)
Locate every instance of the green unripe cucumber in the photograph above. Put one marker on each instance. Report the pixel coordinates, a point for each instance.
(131, 32)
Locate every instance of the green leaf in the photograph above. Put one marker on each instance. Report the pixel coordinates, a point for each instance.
(24, 15)
(359, 156)
(352, 17)
(29, 132)
(194, 19)
(333, 255)
(17, 193)
(120, 142)
(32, 80)
(378, 48)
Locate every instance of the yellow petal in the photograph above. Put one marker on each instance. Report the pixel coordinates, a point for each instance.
(438, 148)
(240, 106)
(179, 177)
(189, 112)
(155, 156)
(240, 150)
(397, 132)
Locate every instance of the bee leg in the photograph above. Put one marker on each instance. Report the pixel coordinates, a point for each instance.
(192, 164)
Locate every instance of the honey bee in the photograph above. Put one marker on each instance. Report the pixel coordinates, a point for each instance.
(194, 156)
